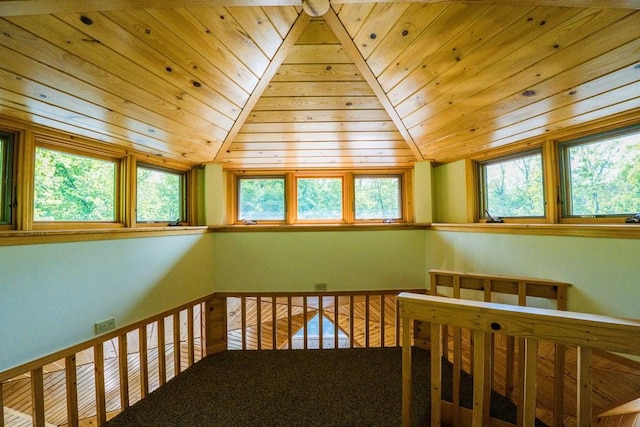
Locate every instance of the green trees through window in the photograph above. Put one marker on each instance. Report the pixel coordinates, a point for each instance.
(70, 187)
(378, 197)
(261, 199)
(513, 187)
(159, 196)
(319, 198)
(602, 175)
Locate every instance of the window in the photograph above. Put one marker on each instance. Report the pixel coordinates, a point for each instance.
(512, 187)
(601, 174)
(6, 177)
(319, 199)
(73, 187)
(160, 195)
(378, 197)
(261, 198)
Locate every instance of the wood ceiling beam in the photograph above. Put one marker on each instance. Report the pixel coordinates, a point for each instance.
(287, 44)
(352, 50)
(44, 7)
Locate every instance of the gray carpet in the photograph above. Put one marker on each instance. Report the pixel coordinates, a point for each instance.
(348, 387)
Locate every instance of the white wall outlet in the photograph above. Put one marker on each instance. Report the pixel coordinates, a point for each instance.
(320, 286)
(105, 325)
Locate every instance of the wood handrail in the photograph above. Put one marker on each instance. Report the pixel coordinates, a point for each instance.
(58, 355)
(564, 327)
(586, 331)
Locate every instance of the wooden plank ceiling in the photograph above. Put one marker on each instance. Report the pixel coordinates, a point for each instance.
(365, 85)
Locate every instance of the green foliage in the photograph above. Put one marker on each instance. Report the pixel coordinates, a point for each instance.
(261, 199)
(159, 195)
(514, 188)
(377, 197)
(319, 198)
(605, 177)
(3, 178)
(70, 187)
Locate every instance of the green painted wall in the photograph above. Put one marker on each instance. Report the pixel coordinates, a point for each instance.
(450, 193)
(52, 294)
(344, 260)
(604, 273)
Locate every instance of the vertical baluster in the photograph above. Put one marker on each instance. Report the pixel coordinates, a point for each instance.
(336, 321)
(144, 361)
(559, 366)
(457, 359)
(259, 322)
(304, 322)
(479, 397)
(406, 372)
(489, 349)
(382, 328)
(37, 397)
(584, 387)
(320, 317)
(98, 360)
(243, 320)
(398, 322)
(522, 301)
(71, 380)
(190, 337)
(289, 323)
(436, 375)
(177, 347)
(162, 361)
(510, 366)
(351, 320)
(203, 329)
(123, 369)
(530, 379)
(1, 406)
(366, 320)
(274, 324)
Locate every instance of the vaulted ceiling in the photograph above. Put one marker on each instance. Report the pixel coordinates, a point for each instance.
(263, 84)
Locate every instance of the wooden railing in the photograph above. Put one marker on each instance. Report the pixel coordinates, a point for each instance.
(99, 378)
(306, 320)
(459, 343)
(118, 368)
(533, 325)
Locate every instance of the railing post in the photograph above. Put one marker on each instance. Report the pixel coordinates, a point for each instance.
(216, 324)
(406, 372)
(530, 381)
(478, 417)
(436, 374)
(123, 367)
(583, 387)
(37, 397)
(101, 406)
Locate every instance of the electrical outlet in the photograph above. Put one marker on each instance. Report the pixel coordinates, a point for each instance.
(105, 325)
(320, 286)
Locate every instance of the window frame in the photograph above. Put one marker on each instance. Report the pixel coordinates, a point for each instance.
(89, 152)
(184, 194)
(291, 196)
(316, 175)
(481, 191)
(8, 180)
(564, 187)
(401, 203)
(234, 205)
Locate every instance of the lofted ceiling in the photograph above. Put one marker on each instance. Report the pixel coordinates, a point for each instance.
(263, 84)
